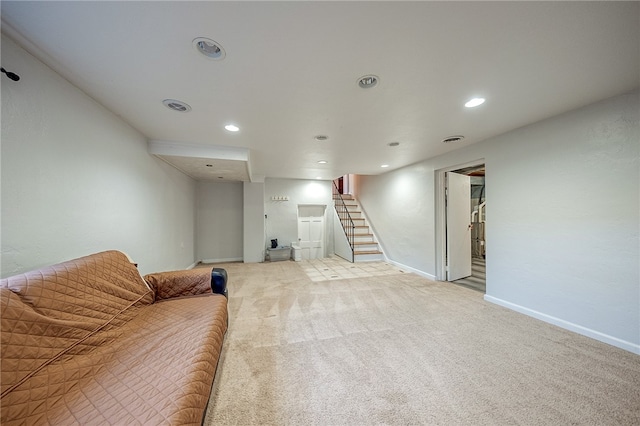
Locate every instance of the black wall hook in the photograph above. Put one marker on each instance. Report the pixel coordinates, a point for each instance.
(12, 76)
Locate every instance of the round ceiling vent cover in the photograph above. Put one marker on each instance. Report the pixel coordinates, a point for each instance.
(176, 105)
(209, 48)
(368, 81)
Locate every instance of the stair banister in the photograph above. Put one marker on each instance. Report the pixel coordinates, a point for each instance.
(344, 216)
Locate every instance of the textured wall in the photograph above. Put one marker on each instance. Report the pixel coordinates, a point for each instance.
(219, 221)
(76, 179)
(562, 218)
(253, 217)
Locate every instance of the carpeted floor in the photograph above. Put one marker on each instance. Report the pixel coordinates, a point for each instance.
(402, 350)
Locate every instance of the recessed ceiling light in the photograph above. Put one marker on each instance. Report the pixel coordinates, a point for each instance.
(393, 143)
(209, 48)
(321, 138)
(450, 139)
(474, 102)
(319, 178)
(368, 81)
(384, 166)
(322, 162)
(232, 127)
(176, 105)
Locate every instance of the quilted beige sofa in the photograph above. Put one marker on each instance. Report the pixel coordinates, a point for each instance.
(90, 341)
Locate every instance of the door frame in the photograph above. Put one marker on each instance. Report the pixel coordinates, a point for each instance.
(324, 223)
(441, 215)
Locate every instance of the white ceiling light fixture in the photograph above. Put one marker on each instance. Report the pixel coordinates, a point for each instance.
(209, 48)
(232, 127)
(384, 166)
(176, 105)
(368, 81)
(322, 162)
(472, 103)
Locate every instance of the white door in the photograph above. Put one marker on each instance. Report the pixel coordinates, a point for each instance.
(311, 231)
(458, 226)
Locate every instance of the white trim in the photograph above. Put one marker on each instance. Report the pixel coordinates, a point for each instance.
(410, 269)
(605, 338)
(193, 265)
(230, 259)
(440, 213)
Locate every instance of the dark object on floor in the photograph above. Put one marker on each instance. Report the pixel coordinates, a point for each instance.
(219, 281)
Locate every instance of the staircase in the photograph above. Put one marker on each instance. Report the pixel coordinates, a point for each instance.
(362, 241)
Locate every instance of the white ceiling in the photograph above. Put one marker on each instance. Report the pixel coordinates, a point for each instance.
(291, 71)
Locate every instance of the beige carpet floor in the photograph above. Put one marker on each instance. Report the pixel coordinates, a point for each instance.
(402, 350)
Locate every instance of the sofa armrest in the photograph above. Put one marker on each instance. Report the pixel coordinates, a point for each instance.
(187, 282)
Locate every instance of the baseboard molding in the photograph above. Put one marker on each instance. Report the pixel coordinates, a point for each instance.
(605, 338)
(229, 259)
(410, 269)
(193, 265)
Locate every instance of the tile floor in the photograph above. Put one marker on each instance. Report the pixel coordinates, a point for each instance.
(336, 268)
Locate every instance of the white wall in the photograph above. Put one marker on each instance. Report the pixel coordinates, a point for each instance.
(254, 222)
(282, 216)
(562, 218)
(76, 179)
(219, 221)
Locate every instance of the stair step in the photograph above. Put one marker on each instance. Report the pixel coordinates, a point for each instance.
(363, 252)
(357, 221)
(363, 238)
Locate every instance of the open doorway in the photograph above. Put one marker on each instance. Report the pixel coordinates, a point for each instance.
(460, 230)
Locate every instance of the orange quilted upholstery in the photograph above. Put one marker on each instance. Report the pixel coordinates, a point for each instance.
(180, 283)
(84, 343)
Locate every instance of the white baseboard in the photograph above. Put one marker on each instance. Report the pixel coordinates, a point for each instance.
(193, 265)
(229, 259)
(605, 338)
(410, 269)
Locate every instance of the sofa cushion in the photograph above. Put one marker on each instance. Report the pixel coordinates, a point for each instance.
(49, 313)
(179, 283)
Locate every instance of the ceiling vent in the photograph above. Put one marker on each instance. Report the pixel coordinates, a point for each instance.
(209, 48)
(368, 81)
(176, 105)
(451, 139)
